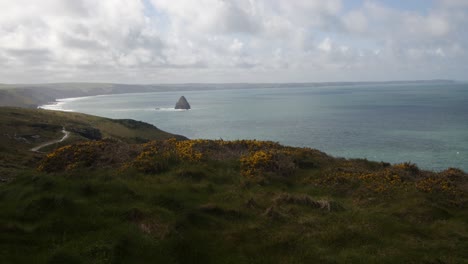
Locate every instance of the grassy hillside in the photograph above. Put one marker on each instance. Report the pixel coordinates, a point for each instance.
(23, 129)
(203, 201)
(31, 96)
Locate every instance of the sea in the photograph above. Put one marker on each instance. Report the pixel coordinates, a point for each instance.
(422, 123)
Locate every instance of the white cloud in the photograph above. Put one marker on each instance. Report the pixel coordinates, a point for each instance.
(236, 46)
(214, 40)
(78, 37)
(210, 16)
(325, 45)
(355, 21)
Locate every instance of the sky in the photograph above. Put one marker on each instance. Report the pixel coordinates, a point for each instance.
(225, 41)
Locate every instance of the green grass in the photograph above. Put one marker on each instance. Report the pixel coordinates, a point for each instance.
(196, 213)
(100, 216)
(209, 210)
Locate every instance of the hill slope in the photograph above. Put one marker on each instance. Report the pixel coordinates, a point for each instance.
(31, 96)
(213, 201)
(23, 129)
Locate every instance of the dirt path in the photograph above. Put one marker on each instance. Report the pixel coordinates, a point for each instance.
(65, 136)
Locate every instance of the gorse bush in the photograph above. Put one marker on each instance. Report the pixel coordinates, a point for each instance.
(258, 165)
(257, 159)
(158, 156)
(446, 185)
(407, 166)
(257, 162)
(152, 161)
(348, 177)
(83, 154)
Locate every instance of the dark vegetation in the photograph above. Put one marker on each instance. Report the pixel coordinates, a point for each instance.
(115, 200)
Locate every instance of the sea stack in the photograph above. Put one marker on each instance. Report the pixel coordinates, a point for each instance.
(182, 104)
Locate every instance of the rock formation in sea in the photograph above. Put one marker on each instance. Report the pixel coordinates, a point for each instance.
(182, 103)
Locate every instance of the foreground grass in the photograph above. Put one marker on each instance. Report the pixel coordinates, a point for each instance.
(229, 202)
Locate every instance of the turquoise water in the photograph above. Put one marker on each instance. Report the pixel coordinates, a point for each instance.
(426, 124)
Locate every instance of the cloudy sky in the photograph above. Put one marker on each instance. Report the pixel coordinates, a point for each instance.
(177, 41)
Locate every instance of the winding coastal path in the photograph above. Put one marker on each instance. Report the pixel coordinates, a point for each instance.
(65, 136)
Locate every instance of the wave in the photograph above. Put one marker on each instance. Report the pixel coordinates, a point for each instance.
(132, 109)
(59, 103)
(148, 109)
(56, 106)
(169, 109)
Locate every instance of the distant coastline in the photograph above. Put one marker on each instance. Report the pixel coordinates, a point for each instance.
(36, 95)
(56, 105)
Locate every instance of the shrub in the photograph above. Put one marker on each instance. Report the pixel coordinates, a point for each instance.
(407, 166)
(86, 154)
(152, 161)
(446, 186)
(83, 153)
(257, 166)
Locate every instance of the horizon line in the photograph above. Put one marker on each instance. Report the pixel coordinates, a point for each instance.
(241, 83)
